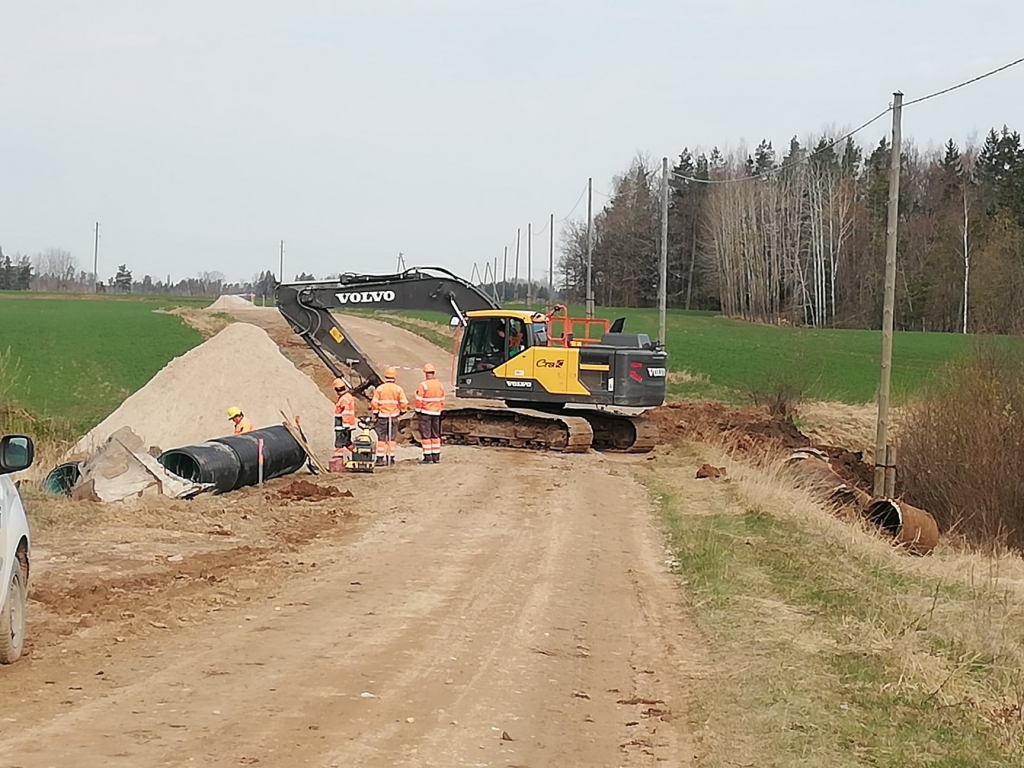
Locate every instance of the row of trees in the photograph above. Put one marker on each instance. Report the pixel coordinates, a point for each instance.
(15, 275)
(801, 238)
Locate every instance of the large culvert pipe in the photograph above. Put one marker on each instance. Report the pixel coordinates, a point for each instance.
(910, 527)
(282, 455)
(63, 478)
(232, 462)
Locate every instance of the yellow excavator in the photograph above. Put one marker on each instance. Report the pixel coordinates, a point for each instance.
(562, 391)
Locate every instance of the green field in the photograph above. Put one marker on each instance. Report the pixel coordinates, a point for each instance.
(731, 358)
(76, 359)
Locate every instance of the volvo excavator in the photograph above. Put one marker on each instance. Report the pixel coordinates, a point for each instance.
(561, 391)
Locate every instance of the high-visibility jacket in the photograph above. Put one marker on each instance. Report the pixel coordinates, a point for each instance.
(243, 426)
(346, 409)
(389, 400)
(429, 397)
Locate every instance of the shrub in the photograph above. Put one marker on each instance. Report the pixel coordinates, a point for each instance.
(961, 448)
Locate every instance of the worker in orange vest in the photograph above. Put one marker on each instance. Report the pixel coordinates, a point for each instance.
(388, 403)
(242, 424)
(344, 418)
(429, 405)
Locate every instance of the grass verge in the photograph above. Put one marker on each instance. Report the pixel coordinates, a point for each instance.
(829, 648)
(729, 360)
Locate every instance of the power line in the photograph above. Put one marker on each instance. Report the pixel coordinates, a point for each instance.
(973, 80)
(792, 164)
(831, 144)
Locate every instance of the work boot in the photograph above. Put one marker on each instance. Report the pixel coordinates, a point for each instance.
(427, 460)
(437, 458)
(391, 460)
(380, 461)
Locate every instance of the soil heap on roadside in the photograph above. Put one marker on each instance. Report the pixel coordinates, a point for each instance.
(228, 302)
(187, 401)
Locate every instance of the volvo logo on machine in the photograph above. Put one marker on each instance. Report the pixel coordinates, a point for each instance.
(656, 373)
(365, 297)
(520, 384)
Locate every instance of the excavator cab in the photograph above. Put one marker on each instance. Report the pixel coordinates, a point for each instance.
(511, 355)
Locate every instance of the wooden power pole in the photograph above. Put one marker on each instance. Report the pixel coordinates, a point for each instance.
(529, 265)
(663, 267)
(515, 279)
(551, 259)
(96, 259)
(590, 247)
(281, 278)
(882, 434)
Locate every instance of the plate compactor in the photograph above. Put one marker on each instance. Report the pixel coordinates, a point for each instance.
(364, 448)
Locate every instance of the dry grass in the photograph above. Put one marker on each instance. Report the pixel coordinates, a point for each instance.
(685, 377)
(851, 426)
(833, 648)
(209, 324)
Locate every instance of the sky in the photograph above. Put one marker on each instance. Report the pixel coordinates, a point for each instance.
(200, 134)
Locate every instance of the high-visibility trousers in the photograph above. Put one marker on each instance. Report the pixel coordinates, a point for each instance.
(387, 436)
(430, 433)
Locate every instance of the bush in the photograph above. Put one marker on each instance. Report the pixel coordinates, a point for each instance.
(961, 448)
(779, 394)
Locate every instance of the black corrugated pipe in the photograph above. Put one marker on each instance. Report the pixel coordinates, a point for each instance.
(232, 462)
(281, 454)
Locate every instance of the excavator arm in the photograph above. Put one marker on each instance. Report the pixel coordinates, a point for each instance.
(307, 308)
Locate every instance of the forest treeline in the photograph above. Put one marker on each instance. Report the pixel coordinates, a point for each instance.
(800, 238)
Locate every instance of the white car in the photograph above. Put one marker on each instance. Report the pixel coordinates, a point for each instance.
(16, 453)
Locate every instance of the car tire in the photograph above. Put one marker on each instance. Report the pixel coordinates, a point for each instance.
(12, 616)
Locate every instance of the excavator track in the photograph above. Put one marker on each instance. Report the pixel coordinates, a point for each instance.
(621, 433)
(544, 431)
(517, 428)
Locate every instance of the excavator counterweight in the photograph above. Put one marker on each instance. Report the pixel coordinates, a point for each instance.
(560, 392)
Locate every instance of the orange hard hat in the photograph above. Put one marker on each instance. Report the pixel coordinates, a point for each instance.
(340, 384)
(428, 368)
(391, 373)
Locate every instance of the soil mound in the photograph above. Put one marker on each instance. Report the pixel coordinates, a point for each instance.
(751, 432)
(303, 490)
(187, 401)
(229, 302)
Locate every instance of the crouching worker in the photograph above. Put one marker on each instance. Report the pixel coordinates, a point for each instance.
(344, 419)
(429, 405)
(388, 403)
(242, 424)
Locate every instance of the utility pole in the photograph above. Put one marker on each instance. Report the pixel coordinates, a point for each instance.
(551, 260)
(529, 265)
(504, 274)
(96, 259)
(494, 279)
(515, 280)
(882, 435)
(663, 270)
(281, 279)
(590, 247)
(401, 262)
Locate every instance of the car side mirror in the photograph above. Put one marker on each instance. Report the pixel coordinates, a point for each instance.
(455, 322)
(16, 453)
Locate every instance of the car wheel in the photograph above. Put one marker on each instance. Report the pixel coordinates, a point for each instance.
(12, 617)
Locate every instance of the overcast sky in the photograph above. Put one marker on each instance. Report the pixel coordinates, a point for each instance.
(201, 133)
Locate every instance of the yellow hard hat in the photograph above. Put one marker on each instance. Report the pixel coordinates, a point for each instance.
(340, 384)
(234, 411)
(428, 368)
(391, 373)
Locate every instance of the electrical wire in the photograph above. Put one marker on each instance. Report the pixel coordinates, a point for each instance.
(973, 80)
(791, 164)
(855, 131)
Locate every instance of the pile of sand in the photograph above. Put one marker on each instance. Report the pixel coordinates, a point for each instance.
(227, 303)
(187, 401)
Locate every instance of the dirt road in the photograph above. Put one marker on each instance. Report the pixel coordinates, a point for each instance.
(505, 608)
